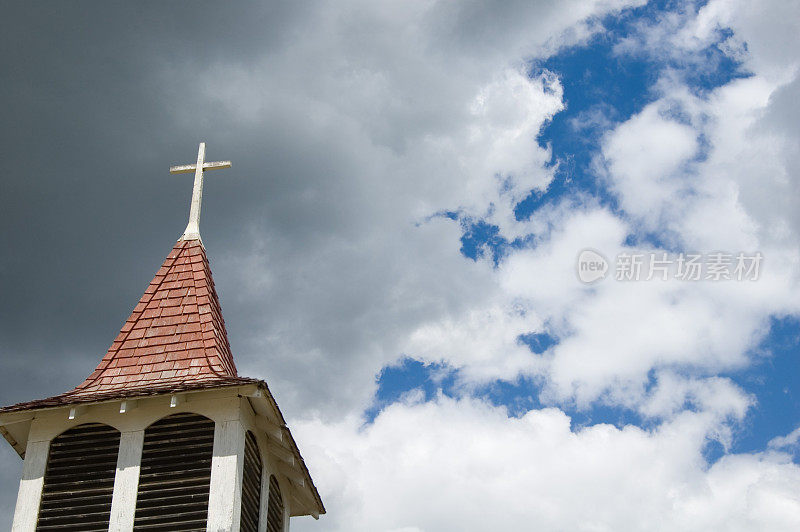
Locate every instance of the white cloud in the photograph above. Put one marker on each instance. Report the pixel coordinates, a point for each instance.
(734, 192)
(463, 465)
(716, 395)
(647, 157)
(784, 442)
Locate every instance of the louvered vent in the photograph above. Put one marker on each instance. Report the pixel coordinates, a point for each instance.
(79, 480)
(175, 475)
(275, 508)
(251, 485)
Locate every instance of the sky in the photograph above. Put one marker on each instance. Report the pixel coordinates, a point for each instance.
(397, 246)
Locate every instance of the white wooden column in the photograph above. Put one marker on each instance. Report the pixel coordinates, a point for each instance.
(263, 504)
(286, 512)
(30, 487)
(225, 499)
(126, 481)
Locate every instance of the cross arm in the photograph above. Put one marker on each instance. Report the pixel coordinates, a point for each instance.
(189, 168)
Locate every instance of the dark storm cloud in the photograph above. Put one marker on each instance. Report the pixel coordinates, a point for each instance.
(88, 209)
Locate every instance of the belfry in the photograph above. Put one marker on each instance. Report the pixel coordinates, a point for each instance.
(164, 434)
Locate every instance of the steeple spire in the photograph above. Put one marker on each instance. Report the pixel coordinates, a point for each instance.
(192, 231)
(175, 336)
(201, 442)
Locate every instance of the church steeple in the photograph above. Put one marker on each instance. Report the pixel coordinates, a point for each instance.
(175, 335)
(163, 434)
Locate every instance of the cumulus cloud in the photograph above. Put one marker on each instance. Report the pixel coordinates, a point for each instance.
(783, 442)
(696, 170)
(647, 156)
(462, 465)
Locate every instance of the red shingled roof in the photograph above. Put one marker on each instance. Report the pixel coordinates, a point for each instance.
(174, 339)
(175, 335)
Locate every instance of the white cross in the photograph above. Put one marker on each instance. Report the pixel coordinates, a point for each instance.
(192, 231)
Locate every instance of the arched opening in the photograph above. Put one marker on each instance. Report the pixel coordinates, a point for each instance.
(175, 474)
(251, 485)
(275, 506)
(79, 479)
